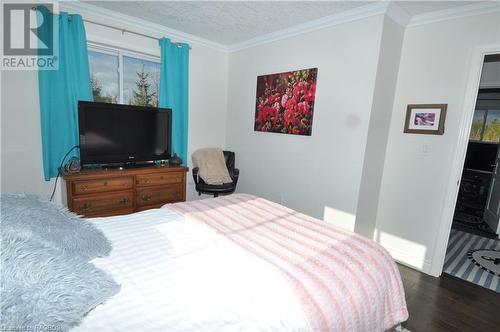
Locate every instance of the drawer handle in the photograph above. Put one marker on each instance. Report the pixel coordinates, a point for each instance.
(85, 207)
(105, 183)
(161, 177)
(146, 198)
(123, 201)
(84, 188)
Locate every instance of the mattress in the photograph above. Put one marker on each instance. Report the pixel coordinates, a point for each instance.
(242, 263)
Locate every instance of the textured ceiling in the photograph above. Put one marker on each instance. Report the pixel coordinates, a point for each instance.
(228, 22)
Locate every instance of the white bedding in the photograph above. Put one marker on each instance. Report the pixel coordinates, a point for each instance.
(177, 275)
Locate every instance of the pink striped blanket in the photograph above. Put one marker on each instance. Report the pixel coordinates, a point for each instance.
(344, 281)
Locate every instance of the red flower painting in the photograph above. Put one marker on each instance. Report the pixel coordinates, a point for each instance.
(285, 102)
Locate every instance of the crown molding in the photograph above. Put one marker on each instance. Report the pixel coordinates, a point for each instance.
(479, 8)
(105, 16)
(378, 8)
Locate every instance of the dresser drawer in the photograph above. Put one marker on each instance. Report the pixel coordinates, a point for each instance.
(155, 196)
(144, 180)
(103, 203)
(101, 185)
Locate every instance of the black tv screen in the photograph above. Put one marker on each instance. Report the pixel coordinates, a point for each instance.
(123, 134)
(481, 156)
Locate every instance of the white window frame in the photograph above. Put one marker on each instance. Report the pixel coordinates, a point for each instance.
(120, 53)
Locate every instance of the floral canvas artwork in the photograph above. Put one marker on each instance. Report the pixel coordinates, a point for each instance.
(285, 102)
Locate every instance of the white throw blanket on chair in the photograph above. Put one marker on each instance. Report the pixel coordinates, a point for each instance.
(212, 166)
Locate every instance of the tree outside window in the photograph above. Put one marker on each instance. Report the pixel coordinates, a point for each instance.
(136, 83)
(141, 80)
(486, 126)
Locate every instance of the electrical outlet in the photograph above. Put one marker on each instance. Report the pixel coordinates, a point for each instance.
(425, 149)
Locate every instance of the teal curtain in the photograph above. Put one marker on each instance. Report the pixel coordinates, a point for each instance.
(174, 75)
(60, 90)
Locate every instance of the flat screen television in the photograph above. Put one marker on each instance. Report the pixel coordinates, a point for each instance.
(114, 134)
(481, 156)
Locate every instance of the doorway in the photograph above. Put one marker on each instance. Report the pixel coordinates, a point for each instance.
(473, 251)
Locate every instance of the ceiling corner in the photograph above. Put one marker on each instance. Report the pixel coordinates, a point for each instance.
(398, 14)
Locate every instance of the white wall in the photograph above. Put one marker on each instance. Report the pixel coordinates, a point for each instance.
(434, 68)
(207, 104)
(319, 175)
(378, 132)
(21, 146)
(21, 156)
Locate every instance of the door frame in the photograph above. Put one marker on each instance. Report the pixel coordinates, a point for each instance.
(456, 168)
(490, 192)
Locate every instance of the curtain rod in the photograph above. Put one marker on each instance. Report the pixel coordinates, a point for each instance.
(128, 31)
(123, 30)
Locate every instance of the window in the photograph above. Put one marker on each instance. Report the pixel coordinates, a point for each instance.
(123, 77)
(486, 126)
(476, 132)
(104, 76)
(492, 126)
(141, 81)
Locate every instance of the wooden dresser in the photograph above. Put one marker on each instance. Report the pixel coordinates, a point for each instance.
(108, 192)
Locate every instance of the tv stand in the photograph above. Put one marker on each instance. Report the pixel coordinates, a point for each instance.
(104, 192)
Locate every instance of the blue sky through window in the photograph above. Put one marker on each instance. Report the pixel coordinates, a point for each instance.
(104, 73)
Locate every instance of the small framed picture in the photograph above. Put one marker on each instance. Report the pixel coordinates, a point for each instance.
(425, 119)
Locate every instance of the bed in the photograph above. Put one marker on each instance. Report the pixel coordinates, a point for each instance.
(233, 263)
(243, 263)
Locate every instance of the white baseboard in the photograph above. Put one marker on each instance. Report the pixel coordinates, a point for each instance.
(410, 260)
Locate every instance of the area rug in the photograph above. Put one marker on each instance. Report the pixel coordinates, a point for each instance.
(488, 260)
(461, 261)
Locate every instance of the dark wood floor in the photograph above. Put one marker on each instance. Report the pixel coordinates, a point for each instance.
(448, 304)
